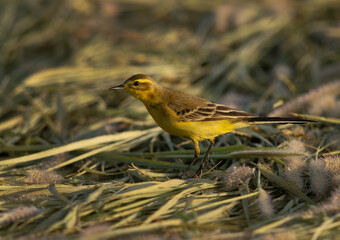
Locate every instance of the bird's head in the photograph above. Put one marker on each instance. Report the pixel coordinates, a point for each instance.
(140, 86)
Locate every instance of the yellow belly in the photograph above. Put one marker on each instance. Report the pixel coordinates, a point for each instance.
(198, 131)
(207, 129)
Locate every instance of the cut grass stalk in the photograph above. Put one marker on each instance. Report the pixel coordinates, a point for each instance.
(284, 184)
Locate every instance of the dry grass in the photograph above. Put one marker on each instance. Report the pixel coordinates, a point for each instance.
(80, 162)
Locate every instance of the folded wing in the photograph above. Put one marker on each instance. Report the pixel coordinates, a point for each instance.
(210, 112)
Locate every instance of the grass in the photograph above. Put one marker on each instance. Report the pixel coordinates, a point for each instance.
(80, 162)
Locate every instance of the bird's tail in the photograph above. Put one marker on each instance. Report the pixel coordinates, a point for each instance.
(278, 120)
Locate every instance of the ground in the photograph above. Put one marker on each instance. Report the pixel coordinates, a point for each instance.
(78, 161)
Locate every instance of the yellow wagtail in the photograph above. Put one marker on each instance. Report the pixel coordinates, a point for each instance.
(191, 117)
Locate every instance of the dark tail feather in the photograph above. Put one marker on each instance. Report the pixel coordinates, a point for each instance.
(279, 120)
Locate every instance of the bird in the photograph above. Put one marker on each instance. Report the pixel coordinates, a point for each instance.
(191, 117)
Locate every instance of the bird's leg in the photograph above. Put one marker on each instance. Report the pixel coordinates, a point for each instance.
(197, 154)
(200, 169)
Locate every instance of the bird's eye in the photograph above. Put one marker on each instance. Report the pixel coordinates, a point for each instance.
(136, 83)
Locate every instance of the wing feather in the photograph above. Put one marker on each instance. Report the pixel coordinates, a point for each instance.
(192, 108)
(210, 111)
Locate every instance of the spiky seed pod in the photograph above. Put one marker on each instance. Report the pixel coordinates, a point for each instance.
(18, 214)
(320, 178)
(333, 164)
(336, 180)
(295, 164)
(265, 204)
(237, 175)
(295, 145)
(40, 176)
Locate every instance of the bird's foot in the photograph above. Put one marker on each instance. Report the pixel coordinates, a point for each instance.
(198, 173)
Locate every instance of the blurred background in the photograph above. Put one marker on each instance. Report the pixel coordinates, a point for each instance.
(58, 58)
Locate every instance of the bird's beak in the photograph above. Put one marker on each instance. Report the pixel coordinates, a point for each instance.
(121, 86)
